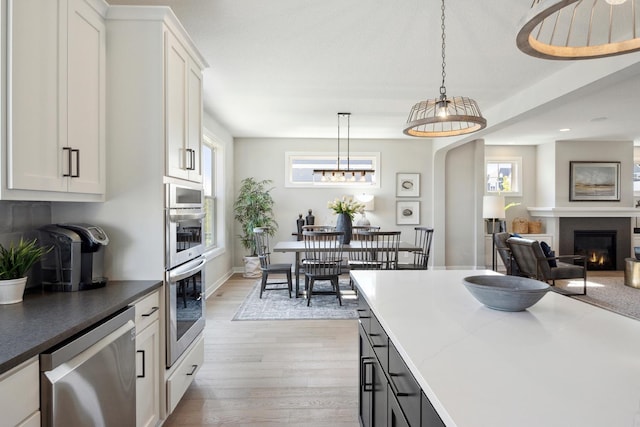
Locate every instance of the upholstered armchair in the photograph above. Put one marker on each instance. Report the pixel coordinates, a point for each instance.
(500, 242)
(533, 263)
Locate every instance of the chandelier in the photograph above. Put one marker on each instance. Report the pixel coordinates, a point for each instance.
(343, 175)
(444, 116)
(579, 29)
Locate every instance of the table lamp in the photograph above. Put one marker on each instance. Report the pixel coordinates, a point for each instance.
(492, 210)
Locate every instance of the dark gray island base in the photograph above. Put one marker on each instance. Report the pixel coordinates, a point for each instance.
(45, 319)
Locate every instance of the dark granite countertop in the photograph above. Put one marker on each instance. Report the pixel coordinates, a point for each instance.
(45, 319)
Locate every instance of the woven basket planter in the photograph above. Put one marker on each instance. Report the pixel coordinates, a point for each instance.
(520, 225)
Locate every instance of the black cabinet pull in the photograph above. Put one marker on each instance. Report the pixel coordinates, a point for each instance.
(77, 174)
(153, 310)
(191, 159)
(364, 362)
(193, 370)
(144, 370)
(68, 150)
(394, 389)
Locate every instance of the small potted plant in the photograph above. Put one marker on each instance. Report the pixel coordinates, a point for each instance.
(345, 208)
(254, 208)
(15, 262)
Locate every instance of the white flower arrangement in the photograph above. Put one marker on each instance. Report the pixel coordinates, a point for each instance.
(346, 205)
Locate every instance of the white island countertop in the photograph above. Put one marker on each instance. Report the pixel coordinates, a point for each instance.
(561, 362)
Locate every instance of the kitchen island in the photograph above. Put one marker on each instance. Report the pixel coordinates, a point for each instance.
(562, 362)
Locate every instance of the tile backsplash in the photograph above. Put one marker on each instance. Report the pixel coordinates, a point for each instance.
(22, 219)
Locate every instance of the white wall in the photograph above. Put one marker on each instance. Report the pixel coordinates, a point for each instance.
(265, 159)
(545, 175)
(600, 151)
(464, 183)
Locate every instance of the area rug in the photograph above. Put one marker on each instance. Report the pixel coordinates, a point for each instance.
(609, 293)
(276, 305)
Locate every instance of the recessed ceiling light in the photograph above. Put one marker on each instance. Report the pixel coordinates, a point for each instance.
(564, 130)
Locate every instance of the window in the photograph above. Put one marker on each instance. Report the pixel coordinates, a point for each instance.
(299, 169)
(504, 175)
(209, 181)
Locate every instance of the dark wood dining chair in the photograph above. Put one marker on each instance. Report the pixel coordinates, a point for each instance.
(379, 251)
(261, 235)
(423, 239)
(322, 260)
(358, 229)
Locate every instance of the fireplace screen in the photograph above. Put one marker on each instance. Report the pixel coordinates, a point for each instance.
(598, 246)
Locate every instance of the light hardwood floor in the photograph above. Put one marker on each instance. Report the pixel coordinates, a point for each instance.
(271, 373)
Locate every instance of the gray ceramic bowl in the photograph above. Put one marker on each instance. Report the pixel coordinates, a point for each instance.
(506, 293)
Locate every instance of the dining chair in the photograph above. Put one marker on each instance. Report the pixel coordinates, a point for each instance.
(318, 228)
(379, 251)
(423, 238)
(358, 229)
(322, 260)
(261, 235)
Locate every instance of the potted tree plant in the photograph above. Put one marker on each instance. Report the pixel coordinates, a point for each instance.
(15, 262)
(254, 208)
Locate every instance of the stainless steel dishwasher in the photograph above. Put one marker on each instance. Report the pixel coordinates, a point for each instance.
(90, 380)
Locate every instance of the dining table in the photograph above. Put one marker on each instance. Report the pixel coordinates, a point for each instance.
(297, 246)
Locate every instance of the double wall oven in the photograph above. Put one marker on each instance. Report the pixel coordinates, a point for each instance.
(185, 267)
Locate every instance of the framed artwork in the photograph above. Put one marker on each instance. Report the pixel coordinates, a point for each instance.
(407, 213)
(407, 185)
(594, 181)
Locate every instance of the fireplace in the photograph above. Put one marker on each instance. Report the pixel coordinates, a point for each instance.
(598, 246)
(620, 246)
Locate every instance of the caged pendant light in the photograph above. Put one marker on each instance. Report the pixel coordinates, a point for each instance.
(444, 116)
(348, 174)
(579, 29)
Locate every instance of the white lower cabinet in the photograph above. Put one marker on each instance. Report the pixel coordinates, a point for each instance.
(184, 373)
(148, 360)
(20, 395)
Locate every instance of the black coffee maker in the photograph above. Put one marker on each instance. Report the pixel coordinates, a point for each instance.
(76, 262)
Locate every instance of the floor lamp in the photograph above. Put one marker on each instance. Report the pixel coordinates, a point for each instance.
(494, 214)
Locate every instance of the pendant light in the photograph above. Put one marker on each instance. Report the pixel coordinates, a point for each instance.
(348, 174)
(579, 29)
(444, 116)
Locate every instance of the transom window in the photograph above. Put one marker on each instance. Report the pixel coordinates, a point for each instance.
(503, 175)
(299, 169)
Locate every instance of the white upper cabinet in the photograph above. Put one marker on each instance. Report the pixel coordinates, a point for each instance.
(184, 112)
(55, 97)
(154, 75)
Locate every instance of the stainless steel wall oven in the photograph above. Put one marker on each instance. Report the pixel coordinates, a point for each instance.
(184, 224)
(185, 306)
(185, 268)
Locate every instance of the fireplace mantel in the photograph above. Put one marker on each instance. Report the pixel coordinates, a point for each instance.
(586, 212)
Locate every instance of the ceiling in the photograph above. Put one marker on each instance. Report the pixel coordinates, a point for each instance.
(284, 68)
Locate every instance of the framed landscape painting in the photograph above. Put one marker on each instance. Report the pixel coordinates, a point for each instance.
(594, 181)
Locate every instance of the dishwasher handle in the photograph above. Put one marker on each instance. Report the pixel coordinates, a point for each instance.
(75, 345)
